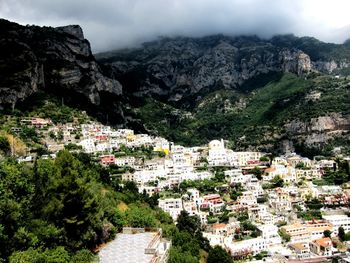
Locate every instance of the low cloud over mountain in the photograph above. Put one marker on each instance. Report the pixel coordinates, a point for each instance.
(111, 24)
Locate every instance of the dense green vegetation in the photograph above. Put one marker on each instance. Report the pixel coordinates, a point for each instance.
(45, 106)
(56, 206)
(187, 240)
(58, 210)
(218, 254)
(254, 119)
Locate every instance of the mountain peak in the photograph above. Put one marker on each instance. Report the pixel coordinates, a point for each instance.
(74, 30)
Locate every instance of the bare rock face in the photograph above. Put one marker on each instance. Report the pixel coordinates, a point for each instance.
(319, 130)
(330, 66)
(56, 60)
(295, 62)
(177, 68)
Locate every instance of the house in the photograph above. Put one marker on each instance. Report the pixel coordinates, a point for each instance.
(214, 239)
(125, 161)
(250, 246)
(280, 200)
(269, 232)
(236, 176)
(36, 122)
(248, 198)
(308, 174)
(222, 229)
(243, 158)
(286, 172)
(149, 190)
(190, 207)
(107, 159)
(326, 164)
(213, 202)
(217, 153)
(173, 206)
(317, 227)
(298, 233)
(88, 145)
(193, 194)
(301, 249)
(306, 232)
(321, 247)
(338, 221)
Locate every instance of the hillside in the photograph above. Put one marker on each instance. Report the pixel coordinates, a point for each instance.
(311, 114)
(274, 95)
(271, 94)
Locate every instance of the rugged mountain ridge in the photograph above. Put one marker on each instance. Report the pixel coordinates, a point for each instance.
(175, 69)
(258, 94)
(57, 61)
(276, 94)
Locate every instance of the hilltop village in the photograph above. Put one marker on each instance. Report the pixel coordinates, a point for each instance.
(254, 205)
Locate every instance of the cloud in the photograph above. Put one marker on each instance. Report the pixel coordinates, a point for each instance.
(111, 24)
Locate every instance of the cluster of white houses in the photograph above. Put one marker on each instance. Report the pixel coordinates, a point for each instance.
(270, 209)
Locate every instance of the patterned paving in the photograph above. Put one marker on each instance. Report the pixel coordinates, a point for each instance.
(127, 248)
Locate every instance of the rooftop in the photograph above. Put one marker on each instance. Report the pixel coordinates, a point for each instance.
(299, 246)
(324, 242)
(128, 248)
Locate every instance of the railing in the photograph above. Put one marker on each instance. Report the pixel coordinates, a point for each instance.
(150, 248)
(162, 258)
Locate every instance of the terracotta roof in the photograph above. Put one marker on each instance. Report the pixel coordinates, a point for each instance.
(216, 226)
(324, 242)
(269, 170)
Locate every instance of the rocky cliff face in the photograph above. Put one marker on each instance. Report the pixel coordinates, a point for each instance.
(184, 73)
(187, 89)
(176, 68)
(55, 60)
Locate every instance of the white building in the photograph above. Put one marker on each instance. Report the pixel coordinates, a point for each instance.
(171, 205)
(254, 245)
(236, 176)
(247, 198)
(88, 145)
(270, 234)
(338, 221)
(244, 157)
(127, 160)
(217, 153)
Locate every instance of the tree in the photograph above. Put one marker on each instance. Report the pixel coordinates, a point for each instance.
(284, 235)
(264, 159)
(314, 204)
(257, 172)
(140, 217)
(300, 165)
(178, 256)
(5, 145)
(191, 224)
(218, 254)
(277, 181)
(341, 233)
(327, 233)
(83, 256)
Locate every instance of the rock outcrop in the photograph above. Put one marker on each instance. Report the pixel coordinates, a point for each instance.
(176, 68)
(55, 60)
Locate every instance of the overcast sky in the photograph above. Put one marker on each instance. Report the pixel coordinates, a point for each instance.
(111, 24)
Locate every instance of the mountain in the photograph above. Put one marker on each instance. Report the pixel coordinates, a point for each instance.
(177, 68)
(275, 94)
(55, 61)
